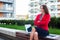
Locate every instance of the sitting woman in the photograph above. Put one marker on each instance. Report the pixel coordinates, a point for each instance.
(41, 24)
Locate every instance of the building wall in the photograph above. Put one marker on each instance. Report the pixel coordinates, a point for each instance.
(58, 9)
(6, 9)
(21, 17)
(32, 7)
(1, 7)
(58, 0)
(1, 14)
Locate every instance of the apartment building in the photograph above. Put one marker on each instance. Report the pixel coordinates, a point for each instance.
(32, 8)
(53, 6)
(58, 7)
(6, 9)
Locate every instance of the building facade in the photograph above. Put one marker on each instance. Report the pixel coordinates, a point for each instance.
(53, 6)
(6, 9)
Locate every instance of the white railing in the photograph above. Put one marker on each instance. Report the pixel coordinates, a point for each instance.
(10, 1)
(6, 11)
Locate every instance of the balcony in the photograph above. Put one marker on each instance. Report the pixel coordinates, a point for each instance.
(6, 11)
(58, 6)
(7, 1)
(52, 1)
(6, 15)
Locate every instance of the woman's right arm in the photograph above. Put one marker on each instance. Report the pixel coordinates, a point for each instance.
(36, 20)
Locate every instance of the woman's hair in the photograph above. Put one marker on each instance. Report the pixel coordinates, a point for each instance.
(45, 9)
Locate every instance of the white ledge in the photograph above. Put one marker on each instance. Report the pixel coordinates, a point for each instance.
(11, 32)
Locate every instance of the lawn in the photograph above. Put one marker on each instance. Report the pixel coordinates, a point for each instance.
(51, 30)
(13, 26)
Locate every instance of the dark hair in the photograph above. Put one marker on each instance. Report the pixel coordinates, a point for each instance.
(45, 9)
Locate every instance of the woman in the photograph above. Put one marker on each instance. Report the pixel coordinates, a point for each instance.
(41, 24)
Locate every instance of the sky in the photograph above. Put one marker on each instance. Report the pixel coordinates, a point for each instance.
(21, 7)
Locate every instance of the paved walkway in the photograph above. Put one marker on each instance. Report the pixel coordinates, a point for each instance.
(3, 38)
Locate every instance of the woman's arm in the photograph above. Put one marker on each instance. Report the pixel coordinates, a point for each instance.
(44, 22)
(36, 20)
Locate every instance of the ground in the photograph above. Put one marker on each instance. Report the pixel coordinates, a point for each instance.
(51, 30)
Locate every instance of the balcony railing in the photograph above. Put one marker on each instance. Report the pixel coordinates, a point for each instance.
(6, 10)
(8, 1)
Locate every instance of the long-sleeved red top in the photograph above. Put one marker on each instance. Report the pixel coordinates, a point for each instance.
(43, 23)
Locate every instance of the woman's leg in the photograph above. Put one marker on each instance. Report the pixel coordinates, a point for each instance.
(36, 36)
(32, 33)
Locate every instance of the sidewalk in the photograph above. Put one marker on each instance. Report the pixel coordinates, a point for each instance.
(3, 38)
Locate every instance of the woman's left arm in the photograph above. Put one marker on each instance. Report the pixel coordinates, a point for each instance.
(46, 21)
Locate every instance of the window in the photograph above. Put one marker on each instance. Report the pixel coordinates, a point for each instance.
(11, 15)
(53, 8)
(5, 15)
(58, 7)
(31, 10)
(58, 14)
(52, 1)
(35, 10)
(31, 4)
(8, 6)
(53, 14)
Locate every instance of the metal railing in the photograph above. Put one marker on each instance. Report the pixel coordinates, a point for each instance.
(9, 1)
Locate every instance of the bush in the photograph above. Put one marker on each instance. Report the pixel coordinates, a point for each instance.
(23, 22)
(13, 22)
(54, 23)
(29, 22)
(58, 23)
(20, 22)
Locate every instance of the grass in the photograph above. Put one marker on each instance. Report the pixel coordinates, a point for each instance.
(51, 30)
(13, 26)
(54, 31)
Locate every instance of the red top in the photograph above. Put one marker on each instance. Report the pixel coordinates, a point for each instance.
(43, 23)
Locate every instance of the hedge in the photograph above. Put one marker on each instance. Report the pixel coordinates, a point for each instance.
(54, 23)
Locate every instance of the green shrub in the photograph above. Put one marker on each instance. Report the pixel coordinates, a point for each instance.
(54, 23)
(20, 22)
(29, 22)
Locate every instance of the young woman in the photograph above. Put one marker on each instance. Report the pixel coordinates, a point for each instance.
(41, 24)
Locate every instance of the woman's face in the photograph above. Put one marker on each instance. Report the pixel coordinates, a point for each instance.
(42, 10)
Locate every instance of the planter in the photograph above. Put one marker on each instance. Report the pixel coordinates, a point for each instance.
(11, 32)
(19, 34)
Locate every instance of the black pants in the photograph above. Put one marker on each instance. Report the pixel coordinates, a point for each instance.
(41, 32)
